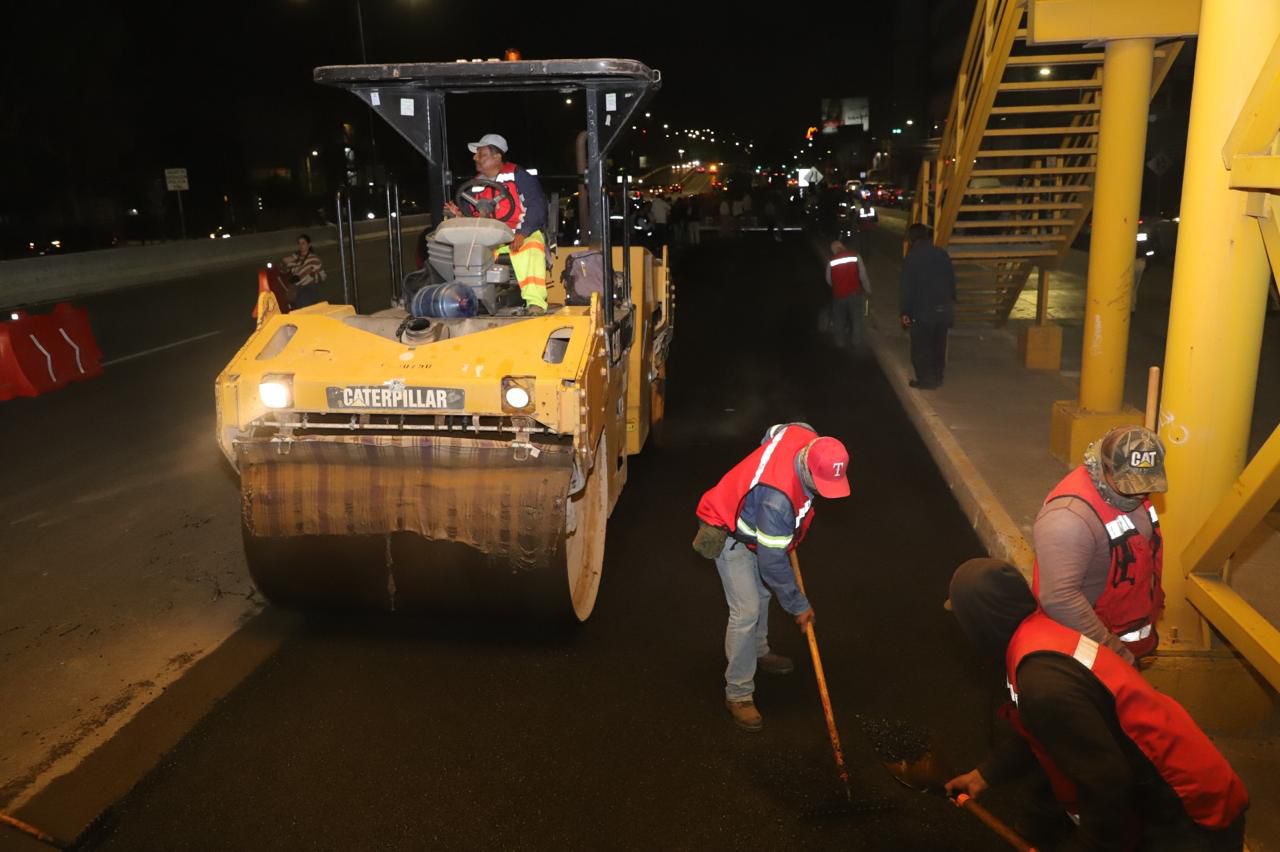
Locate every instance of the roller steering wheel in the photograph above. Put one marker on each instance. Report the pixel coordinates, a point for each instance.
(486, 208)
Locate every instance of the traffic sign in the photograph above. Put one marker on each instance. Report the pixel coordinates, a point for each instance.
(175, 180)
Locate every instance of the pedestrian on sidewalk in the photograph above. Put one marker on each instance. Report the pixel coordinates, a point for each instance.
(749, 523)
(1127, 765)
(927, 305)
(1098, 545)
(850, 284)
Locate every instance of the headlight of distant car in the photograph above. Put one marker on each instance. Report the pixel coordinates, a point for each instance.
(276, 390)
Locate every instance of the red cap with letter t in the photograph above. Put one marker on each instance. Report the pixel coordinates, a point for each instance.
(828, 463)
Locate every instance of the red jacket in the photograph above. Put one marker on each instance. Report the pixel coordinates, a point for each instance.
(1133, 597)
(772, 464)
(846, 277)
(1209, 789)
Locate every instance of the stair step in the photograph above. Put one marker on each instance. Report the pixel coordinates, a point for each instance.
(1040, 131)
(1051, 222)
(1036, 189)
(1043, 170)
(1036, 152)
(994, 208)
(1052, 59)
(970, 255)
(1038, 109)
(1050, 85)
(1001, 239)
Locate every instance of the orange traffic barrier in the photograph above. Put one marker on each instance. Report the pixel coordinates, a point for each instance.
(43, 352)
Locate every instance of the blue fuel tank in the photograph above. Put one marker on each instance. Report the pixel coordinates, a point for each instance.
(446, 301)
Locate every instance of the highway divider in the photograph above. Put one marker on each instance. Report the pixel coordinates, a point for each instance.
(39, 280)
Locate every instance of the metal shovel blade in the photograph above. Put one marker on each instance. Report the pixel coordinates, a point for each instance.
(923, 774)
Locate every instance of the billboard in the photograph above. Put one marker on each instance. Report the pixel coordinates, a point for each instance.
(845, 112)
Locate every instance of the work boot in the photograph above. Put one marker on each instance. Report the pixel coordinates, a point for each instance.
(745, 714)
(775, 664)
(535, 310)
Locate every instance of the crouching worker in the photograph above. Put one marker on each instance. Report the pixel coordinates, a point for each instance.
(749, 523)
(1128, 766)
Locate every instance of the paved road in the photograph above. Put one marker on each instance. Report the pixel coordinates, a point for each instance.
(120, 552)
(398, 734)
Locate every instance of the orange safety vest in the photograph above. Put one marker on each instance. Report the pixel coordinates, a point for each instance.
(510, 212)
(772, 464)
(1209, 789)
(1133, 596)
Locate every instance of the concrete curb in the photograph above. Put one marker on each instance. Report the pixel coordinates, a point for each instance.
(993, 524)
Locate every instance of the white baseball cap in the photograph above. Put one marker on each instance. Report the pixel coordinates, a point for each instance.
(491, 139)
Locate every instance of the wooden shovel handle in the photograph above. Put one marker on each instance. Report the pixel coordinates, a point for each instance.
(993, 822)
(832, 732)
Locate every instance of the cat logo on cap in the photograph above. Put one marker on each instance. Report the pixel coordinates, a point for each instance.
(1142, 460)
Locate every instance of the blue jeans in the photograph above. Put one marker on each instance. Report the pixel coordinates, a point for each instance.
(747, 636)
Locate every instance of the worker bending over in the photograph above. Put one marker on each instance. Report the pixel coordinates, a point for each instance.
(749, 522)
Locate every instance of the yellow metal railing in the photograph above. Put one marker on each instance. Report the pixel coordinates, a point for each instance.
(1251, 157)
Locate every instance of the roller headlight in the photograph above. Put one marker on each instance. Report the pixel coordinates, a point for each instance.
(276, 391)
(517, 397)
(517, 394)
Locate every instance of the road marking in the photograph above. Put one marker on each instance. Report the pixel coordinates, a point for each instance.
(156, 349)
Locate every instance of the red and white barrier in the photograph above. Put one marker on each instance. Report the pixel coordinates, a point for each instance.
(43, 352)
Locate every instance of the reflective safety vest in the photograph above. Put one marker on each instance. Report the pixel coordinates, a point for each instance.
(774, 465)
(509, 211)
(1133, 596)
(846, 277)
(1209, 789)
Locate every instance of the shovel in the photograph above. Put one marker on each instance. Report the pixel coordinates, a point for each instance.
(926, 775)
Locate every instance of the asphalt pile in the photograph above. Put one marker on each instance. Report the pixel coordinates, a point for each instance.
(895, 741)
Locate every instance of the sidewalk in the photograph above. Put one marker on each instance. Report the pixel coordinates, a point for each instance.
(988, 430)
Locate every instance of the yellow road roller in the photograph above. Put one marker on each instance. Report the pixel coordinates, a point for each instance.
(466, 457)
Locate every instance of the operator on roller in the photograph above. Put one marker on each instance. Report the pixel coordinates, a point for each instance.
(523, 209)
(749, 523)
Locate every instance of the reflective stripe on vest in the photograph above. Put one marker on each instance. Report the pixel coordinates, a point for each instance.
(841, 261)
(755, 480)
(1136, 635)
(775, 541)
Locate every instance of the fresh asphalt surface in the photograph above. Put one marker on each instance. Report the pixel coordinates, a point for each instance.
(393, 733)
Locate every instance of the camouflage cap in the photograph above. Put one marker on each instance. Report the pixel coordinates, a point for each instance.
(1133, 457)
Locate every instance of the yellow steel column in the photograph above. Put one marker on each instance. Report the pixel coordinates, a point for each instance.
(1122, 142)
(1220, 284)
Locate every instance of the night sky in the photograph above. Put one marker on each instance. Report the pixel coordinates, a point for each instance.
(96, 100)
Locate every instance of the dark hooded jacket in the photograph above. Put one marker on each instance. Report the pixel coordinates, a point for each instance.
(1073, 717)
